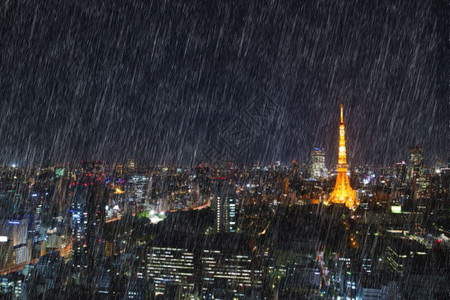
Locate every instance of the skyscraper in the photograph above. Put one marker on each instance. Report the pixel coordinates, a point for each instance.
(14, 248)
(79, 221)
(224, 204)
(317, 163)
(286, 185)
(415, 161)
(88, 220)
(229, 269)
(171, 265)
(343, 193)
(400, 172)
(295, 166)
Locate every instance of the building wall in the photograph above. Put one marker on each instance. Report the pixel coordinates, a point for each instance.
(167, 265)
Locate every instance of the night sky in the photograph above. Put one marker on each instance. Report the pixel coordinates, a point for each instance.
(173, 81)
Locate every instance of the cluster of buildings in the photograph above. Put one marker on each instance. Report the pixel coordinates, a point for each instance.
(226, 231)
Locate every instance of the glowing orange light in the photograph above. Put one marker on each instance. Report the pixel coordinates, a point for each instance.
(343, 193)
(118, 191)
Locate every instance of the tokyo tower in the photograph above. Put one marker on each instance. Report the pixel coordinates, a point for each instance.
(343, 193)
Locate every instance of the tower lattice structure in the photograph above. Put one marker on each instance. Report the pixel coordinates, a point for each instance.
(343, 193)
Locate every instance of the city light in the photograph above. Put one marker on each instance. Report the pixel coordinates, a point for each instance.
(343, 193)
(396, 209)
(200, 150)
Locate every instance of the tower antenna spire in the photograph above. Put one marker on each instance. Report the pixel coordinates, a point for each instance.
(343, 192)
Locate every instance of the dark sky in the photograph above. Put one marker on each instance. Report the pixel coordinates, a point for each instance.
(179, 80)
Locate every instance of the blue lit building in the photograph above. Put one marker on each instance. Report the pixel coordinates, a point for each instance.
(88, 220)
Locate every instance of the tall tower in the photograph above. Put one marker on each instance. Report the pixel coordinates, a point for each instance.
(343, 193)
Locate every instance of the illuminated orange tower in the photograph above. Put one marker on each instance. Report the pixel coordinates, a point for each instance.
(343, 193)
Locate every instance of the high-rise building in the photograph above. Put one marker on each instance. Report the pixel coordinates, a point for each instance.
(318, 163)
(79, 225)
(14, 242)
(445, 182)
(171, 265)
(181, 266)
(416, 161)
(139, 187)
(224, 204)
(286, 185)
(229, 272)
(400, 172)
(131, 166)
(97, 200)
(295, 166)
(12, 286)
(88, 220)
(415, 174)
(343, 193)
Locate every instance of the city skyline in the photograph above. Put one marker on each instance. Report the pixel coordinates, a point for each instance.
(245, 150)
(95, 230)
